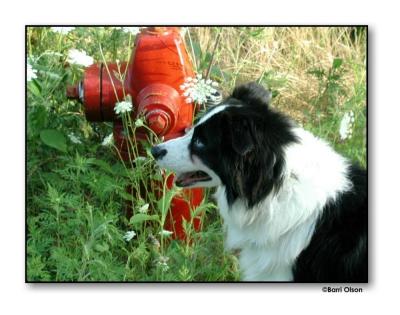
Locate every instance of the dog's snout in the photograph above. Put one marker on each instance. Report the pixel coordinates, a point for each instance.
(157, 152)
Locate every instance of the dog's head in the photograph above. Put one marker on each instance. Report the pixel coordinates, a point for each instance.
(238, 144)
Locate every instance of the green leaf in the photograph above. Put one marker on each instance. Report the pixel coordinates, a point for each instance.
(164, 203)
(334, 77)
(205, 61)
(257, 33)
(157, 177)
(228, 76)
(55, 139)
(317, 72)
(119, 169)
(101, 247)
(337, 62)
(142, 217)
(197, 52)
(216, 73)
(102, 164)
(52, 75)
(38, 120)
(202, 208)
(35, 88)
(126, 196)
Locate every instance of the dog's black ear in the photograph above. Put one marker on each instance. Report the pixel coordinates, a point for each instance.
(252, 94)
(240, 133)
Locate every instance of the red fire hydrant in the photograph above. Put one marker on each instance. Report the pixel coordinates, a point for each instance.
(158, 67)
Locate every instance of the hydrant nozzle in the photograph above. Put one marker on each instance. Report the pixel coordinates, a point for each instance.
(75, 91)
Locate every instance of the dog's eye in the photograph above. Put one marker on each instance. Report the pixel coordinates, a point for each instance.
(198, 144)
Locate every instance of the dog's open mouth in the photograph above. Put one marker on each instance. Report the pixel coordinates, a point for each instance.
(190, 178)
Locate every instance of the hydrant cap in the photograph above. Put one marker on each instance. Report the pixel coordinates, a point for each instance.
(158, 121)
(160, 30)
(159, 103)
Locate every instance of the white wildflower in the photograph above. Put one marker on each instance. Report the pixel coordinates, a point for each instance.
(140, 159)
(163, 262)
(166, 233)
(79, 57)
(132, 30)
(139, 122)
(129, 235)
(108, 141)
(62, 29)
(30, 72)
(200, 91)
(346, 125)
(144, 208)
(123, 107)
(74, 138)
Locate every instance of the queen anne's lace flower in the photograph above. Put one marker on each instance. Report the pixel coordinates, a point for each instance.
(144, 208)
(346, 125)
(165, 233)
(107, 141)
(74, 138)
(123, 107)
(132, 30)
(62, 29)
(129, 235)
(199, 90)
(79, 57)
(139, 122)
(162, 261)
(30, 73)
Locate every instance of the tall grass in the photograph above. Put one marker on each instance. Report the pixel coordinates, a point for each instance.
(296, 63)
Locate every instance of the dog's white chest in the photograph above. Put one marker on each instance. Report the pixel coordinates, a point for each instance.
(268, 246)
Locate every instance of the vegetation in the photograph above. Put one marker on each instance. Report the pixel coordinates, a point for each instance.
(77, 227)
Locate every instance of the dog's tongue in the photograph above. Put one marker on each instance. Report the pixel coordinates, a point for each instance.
(189, 178)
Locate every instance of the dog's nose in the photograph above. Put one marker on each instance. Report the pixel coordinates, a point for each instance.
(158, 152)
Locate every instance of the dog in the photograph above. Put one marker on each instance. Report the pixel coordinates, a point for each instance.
(294, 208)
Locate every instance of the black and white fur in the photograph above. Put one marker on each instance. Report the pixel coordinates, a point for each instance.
(295, 209)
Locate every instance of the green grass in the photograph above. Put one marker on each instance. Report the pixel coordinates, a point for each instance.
(76, 198)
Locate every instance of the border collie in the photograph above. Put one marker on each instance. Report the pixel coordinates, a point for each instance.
(295, 209)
